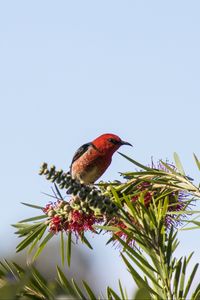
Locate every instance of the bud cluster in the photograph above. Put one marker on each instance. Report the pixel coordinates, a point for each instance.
(87, 201)
(62, 217)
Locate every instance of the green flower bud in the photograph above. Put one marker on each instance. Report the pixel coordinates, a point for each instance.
(46, 171)
(43, 167)
(67, 207)
(61, 204)
(62, 185)
(51, 213)
(108, 188)
(76, 200)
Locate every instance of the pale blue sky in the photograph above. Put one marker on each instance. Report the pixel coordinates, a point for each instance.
(71, 70)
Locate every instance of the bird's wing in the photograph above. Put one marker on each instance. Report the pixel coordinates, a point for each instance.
(80, 151)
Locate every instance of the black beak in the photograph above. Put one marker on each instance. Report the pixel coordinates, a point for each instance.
(125, 143)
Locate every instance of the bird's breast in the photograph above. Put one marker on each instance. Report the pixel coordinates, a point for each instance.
(89, 168)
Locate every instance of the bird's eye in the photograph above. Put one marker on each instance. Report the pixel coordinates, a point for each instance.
(113, 141)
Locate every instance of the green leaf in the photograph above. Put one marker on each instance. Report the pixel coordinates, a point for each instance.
(42, 284)
(129, 205)
(197, 161)
(189, 257)
(107, 228)
(167, 167)
(9, 268)
(193, 222)
(182, 279)
(190, 228)
(36, 240)
(109, 295)
(34, 219)
(185, 212)
(144, 269)
(26, 229)
(30, 238)
(19, 269)
(135, 162)
(62, 248)
(123, 296)
(86, 242)
(112, 293)
(191, 277)
(169, 251)
(136, 254)
(196, 294)
(89, 291)
(138, 279)
(33, 206)
(142, 294)
(81, 295)
(65, 283)
(178, 164)
(43, 244)
(116, 196)
(69, 247)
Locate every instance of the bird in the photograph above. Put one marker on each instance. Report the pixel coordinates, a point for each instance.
(92, 159)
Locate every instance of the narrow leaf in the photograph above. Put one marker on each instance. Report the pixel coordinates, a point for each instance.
(178, 164)
(43, 244)
(177, 276)
(86, 242)
(191, 277)
(137, 255)
(33, 219)
(197, 161)
(182, 279)
(81, 295)
(58, 192)
(32, 205)
(138, 279)
(69, 247)
(36, 240)
(142, 294)
(30, 238)
(135, 162)
(116, 297)
(123, 297)
(65, 283)
(62, 248)
(89, 291)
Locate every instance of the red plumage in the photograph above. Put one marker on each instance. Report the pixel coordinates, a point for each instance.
(92, 159)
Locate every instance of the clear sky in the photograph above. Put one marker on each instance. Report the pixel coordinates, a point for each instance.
(71, 70)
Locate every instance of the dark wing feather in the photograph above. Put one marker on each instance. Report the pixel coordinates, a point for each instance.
(80, 152)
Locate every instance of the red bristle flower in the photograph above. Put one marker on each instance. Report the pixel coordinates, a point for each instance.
(80, 222)
(63, 217)
(120, 233)
(48, 207)
(55, 224)
(143, 187)
(147, 198)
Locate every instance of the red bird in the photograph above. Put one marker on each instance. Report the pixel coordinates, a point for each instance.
(92, 159)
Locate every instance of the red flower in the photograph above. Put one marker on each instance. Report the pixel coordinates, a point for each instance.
(48, 207)
(56, 224)
(147, 198)
(80, 221)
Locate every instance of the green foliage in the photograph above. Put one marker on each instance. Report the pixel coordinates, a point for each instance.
(142, 214)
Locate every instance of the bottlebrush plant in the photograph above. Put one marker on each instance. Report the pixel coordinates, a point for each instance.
(143, 214)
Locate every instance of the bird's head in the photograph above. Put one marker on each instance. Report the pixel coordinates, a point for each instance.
(108, 143)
